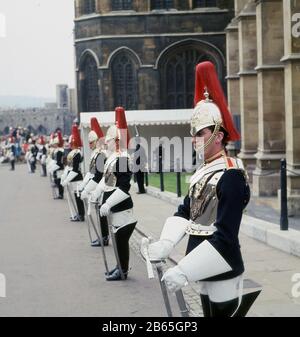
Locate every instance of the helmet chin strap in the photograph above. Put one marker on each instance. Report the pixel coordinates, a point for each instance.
(211, 138)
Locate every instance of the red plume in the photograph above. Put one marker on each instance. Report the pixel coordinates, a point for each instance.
(42, 140)
(96, 127)
(76, 140)
(121, 124)
(206, 77)
(60, 139)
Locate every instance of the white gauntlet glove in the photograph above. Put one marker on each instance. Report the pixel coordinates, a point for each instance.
(71, 175)
(99, 189)
(172, 232)
(84, 195)
(175, 279)
(90, 186)
(85, 181)
(160, 250)
(114, 199)
(104, 209)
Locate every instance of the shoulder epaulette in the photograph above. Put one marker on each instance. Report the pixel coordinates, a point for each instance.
(237, 164)
(231, 163)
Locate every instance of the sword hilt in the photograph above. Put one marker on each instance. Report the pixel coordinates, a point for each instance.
(144, 250)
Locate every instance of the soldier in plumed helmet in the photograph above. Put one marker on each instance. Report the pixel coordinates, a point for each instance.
(94, 175)
(73, 176)
(113, 193)
(42, 155)
(12, 151)
(56, 162)
(211, 213)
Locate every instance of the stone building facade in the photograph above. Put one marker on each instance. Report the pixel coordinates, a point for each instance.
(142, 54)
(62, 95)
(37, 120)
(60, 114)
(263, 77)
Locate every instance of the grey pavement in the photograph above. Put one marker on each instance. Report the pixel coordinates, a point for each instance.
(49, 266)
(268, 209)
(51, 270)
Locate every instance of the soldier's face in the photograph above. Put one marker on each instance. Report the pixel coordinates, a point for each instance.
(201, 140)
(93, 145)
(111, 145)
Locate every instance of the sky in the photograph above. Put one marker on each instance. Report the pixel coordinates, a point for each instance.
(36, 46)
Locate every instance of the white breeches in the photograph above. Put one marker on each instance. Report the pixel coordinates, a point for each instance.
(222, 291)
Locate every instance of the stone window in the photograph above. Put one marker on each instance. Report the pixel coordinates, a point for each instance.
(119, 5)
(90, 86)
(162, 4)
(88, 7)
(125, 88)
(178, 77)
(204, 3)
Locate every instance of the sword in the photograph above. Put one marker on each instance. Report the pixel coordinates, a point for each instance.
(87, 205)
(144, 251)
(179, 295)
(163, 288)
(71, 202)
(181, 303)
(158, 264)
(100, 238)
(54, 194)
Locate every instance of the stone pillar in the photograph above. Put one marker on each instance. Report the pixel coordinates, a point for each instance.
(239, 6)
(103, 6)
(271, 110)
(233, 79)
(98, 5)
(291, 61)
(140, 6)
(77, 4)
(248, 85)
(80, 85)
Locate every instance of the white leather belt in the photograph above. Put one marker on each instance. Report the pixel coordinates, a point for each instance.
(200, 230)
(121, 219)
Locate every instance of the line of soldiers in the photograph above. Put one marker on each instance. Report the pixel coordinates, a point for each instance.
(32, 151)
(8, 152)
(106, 186)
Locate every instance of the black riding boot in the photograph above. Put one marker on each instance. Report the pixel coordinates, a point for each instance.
(122, 237)
(223, 309)
(205, 305)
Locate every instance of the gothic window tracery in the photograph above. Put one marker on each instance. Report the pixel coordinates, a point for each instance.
(204, 3)
(177, 77)
(88, 7)
(91, 96)
(119, 5)
(162, 4)
(124, 77)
